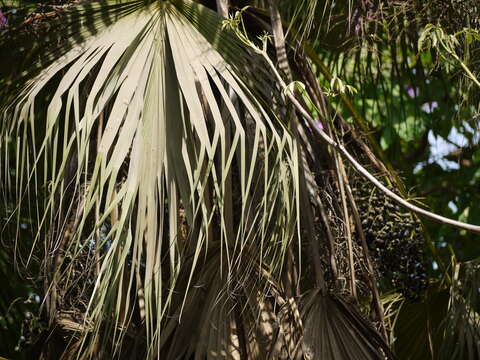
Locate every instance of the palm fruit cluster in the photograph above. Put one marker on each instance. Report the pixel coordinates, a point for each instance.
(30, 330)
(395, 240)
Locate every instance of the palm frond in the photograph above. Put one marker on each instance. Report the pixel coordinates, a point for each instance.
(461, 326)
(335, 330)
(133, 148)
(445, 325)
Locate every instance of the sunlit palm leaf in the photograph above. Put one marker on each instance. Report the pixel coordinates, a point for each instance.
(133, 142)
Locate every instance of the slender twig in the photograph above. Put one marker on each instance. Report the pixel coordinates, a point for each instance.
(346, 217)
(384, 165)
(384, 168)
(280, 47)
(363, 240)
(364, 172)
(346, 220)
(330, 238)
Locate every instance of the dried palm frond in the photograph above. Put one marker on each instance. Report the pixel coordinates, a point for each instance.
(134, 133)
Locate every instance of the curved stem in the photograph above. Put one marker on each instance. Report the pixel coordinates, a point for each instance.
(364, 172)
(383, 165)
(373, 285)
(346, 216)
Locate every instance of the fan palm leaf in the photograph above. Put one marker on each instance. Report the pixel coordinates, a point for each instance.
(334, 330)
(133, 146)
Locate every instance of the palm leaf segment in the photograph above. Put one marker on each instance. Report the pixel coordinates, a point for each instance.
(137, 113)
